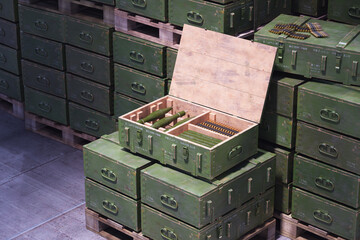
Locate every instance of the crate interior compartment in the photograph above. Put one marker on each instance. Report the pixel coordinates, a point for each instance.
(201, 128)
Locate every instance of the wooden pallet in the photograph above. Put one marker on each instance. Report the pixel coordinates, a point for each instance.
(108, 228)
(147, 28)
(297, 230)
(12, 106)
(83, 9)
(115, 231)
(56, 131)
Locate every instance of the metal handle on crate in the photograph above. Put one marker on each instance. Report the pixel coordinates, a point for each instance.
(43, 106)
(137, 57)
(108, 175)
(138, 88)
(110, 207)
(41, 52)
(42, 80)
(168, 201)
(86, 95)
(322, 216)
(235, 152)
(41, 25)
(354, 12)
(2, 58)
(195, 17)
(168, 234)
(87, 67)
(324, 184)
(92, 125)
(1, 6)
(86, 37)
(2, 32)
(4, 84)
(330, 115)
(139, 3)
(328, 150)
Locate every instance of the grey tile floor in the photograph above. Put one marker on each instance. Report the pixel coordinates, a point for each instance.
(42, 193)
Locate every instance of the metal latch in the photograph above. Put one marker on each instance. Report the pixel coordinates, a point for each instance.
(280, 52)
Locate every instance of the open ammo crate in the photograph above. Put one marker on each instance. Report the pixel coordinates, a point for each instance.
(218, 79)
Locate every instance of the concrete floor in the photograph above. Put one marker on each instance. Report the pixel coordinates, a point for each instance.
(42, 190)
(42, 193)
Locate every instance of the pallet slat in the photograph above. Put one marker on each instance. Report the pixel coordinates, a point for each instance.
(105, 227)
(297, 230)
(12, 106)
(56, 131)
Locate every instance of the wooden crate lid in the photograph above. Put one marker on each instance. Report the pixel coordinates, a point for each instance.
(222, 72)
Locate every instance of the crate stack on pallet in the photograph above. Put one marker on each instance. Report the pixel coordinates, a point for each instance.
(278, 131)
(199, 174)
(68, 67)
(11, 89)
(326, 176)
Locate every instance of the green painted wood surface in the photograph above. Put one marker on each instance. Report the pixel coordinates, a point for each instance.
(313, 8)
(157, 225)
(124, 104)
(156, 9)
(107, 163)
(9, 34)
(282, 95)
(42, 23)
(332, 106)
(267, 10)
(89, 35)
(140, 54)
(199, 203)
(90, 94)
(139, 85)
(170, 61)
(10, 60)
(169, 149)
(112, 137)
(278, 129)
(284, 162)
(41, 50)
(329, 147)
(283, 195)
(113, 205)
(90, 65)
(327, 181)
(90, 121)
(230, 19)
(326, 214)
(324, 58)
(11, 85)
(44, 78)
(46, 105)
(344, 11)
(9, 10)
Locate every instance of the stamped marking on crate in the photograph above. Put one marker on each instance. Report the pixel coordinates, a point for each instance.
(12, 106)
(297, 230)
(56, 131)
(146, 28)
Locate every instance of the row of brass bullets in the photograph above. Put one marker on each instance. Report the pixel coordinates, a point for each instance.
(219, 128)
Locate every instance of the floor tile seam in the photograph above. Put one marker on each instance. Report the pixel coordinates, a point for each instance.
(47, 221)
(35, 167)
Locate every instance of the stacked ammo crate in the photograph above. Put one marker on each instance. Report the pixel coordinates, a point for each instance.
(67, 64)
(326, 166)
(186, 189)
(278, 130)
(314, 8)
(11, 90)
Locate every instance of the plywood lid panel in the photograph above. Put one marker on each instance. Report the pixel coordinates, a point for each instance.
(223, 72)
